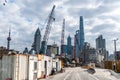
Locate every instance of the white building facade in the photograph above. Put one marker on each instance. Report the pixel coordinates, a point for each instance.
(27, 67)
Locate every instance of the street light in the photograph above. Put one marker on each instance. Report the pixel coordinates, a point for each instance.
(115, 48)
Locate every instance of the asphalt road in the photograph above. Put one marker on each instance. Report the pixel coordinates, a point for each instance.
(82, 74)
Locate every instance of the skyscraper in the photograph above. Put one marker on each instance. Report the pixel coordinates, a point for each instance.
(69, 40)
(37, 41)
(77, 44)
(101, 47)
(100, 43)
(81, 34)
(79, 38)
(69, 46)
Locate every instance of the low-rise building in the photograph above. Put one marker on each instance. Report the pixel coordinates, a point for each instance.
(46, 65)
(89, 54)
(3, 50)
(52, 50)
(32, 67)
(14, 67)
(56, 64)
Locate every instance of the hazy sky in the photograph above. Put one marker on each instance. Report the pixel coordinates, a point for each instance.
(25, 16)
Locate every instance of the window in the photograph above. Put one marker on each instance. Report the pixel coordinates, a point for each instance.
(35, 65)
(35, 76)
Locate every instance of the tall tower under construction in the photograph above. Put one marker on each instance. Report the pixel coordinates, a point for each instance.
(8, 40)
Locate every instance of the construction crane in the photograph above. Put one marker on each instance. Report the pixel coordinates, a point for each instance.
(47, 31)
(62, 36)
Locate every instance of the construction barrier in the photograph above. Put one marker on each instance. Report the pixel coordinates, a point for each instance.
(62, 64)
(108, 64)
(113, 65)
(118, 66)
(85, 67)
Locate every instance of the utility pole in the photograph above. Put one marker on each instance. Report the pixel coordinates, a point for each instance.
(115, 48)
(114, 65)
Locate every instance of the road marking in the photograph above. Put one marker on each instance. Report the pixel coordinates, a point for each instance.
(94, 77)
(67, 75)
(78, 75)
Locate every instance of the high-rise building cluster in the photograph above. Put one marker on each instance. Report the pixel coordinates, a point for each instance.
(75, 50)
(41, 59)
(80, 51)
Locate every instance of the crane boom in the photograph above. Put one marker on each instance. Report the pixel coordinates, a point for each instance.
(47, 31)
(48, 27)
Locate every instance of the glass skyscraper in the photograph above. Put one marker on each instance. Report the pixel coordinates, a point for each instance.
(80, 38)
(100, 43)
(81, 34)
(37, 41)
(69, 46)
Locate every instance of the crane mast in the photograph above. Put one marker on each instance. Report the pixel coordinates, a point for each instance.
(47, 31)
(62, 36)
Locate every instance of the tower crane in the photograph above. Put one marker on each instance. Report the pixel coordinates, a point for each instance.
(62, 36)
(47, 31)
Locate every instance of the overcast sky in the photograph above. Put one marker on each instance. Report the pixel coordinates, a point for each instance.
(25, 16)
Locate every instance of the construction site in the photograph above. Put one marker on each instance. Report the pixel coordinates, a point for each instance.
(74, 60)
